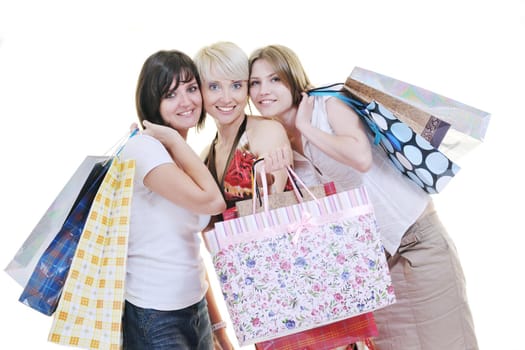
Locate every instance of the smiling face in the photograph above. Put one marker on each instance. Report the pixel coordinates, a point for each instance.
(223, 68)
(181, 108)
(270, 95)
(168, 91)
(224, 99)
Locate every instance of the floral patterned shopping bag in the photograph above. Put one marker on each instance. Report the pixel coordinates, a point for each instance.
(298, 267)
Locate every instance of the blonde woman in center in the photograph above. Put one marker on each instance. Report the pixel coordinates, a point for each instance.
(241, 138)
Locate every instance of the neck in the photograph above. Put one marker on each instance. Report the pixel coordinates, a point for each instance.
(183, 133)
(227, 132)
(287, 119)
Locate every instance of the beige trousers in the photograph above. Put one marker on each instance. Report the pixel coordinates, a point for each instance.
(431, 310)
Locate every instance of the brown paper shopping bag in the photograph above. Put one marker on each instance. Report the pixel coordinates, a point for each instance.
(283, 199)
(452, 127)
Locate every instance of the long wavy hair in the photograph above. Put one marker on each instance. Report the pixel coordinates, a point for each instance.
(287, 66)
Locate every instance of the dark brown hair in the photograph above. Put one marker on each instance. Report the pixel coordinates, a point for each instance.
(155, 79)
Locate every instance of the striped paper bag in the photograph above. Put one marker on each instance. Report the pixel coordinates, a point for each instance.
(89, 313)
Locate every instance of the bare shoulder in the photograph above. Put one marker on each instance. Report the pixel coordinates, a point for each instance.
(265, 134)
(336, 107)
(261, 119)
(256, 122)
(335, 102)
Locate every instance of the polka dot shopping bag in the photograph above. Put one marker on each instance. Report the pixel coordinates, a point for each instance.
(415, 153)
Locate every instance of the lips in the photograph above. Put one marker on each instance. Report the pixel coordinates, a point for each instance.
(266, 102)
(186, 113)
(225, 109)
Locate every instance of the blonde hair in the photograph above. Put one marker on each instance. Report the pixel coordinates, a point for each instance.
(287, 66)
(223, 58)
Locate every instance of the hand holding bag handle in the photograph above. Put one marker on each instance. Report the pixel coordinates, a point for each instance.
(358, 106)
(291, 195)
(409, 152)
(295, 180)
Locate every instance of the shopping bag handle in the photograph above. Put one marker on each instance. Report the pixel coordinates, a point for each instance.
(114, 151)
(296, 182)
(359, 107)
(263, 200)
(131, 134)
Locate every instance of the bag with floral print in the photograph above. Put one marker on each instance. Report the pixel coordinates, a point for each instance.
(286, 270)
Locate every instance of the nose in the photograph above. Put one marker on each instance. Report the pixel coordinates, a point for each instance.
(226, 95)
(185, 99)
(263, 88)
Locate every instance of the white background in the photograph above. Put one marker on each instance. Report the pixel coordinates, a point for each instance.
(67, 78)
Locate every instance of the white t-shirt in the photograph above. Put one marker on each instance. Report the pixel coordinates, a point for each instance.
(397, 201)
(165, 270)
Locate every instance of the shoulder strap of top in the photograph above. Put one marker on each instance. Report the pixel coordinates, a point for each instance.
(210, 159)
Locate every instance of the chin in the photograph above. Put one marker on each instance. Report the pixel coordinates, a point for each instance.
(266, 110)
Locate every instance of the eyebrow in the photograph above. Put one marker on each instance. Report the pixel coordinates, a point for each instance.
(266, 76)
(229, 80)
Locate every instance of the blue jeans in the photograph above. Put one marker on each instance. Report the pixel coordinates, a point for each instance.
(148, 329)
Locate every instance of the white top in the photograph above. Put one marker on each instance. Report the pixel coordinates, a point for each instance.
(165, 270)
(397, 201)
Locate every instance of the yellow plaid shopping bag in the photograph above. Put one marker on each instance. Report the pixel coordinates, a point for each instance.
(89, 313)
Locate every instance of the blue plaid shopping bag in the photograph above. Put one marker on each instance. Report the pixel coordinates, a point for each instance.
(44, 287)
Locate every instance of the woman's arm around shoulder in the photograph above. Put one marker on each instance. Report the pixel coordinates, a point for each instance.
(186, 182)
